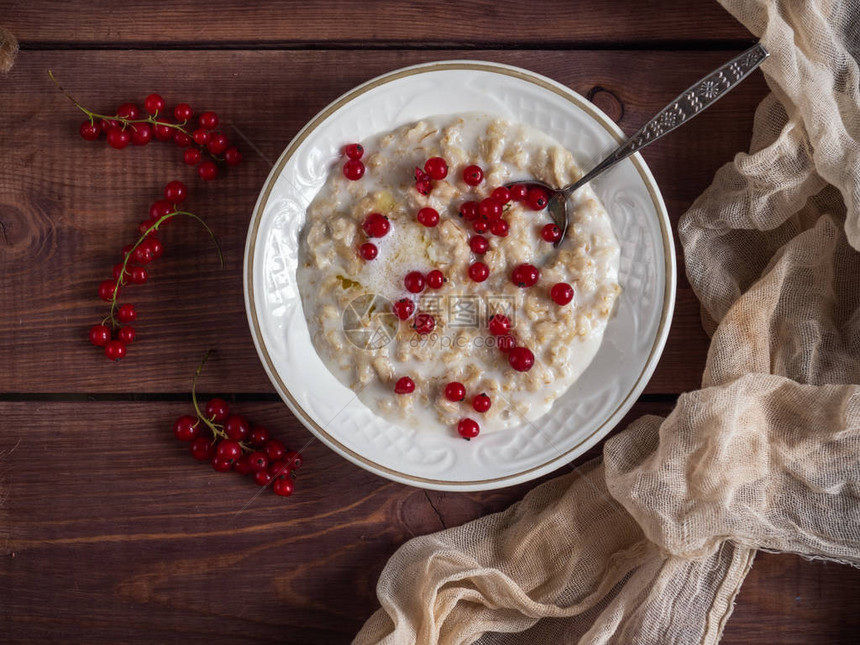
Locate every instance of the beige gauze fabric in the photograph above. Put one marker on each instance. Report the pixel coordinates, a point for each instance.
(652, 543)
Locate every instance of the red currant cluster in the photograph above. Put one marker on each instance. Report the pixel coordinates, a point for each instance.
(229, 442)
(115, 333)
(484, 216)
(202, 146)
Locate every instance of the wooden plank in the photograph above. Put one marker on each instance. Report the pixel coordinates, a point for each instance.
(114, 534)
(369, 24)
(68, 206)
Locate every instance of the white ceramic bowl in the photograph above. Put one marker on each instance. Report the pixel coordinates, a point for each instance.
(634, 337)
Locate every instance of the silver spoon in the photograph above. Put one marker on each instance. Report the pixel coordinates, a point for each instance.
(691, 102)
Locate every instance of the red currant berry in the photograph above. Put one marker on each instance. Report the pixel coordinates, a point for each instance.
(117, 271)
(221, 465)
(208, 120)
(404, 308)
(480, 226)
(118, 138)
(258, 437)
(218, 143)
(126, 335)
(128, 111)
(160, 208)
(423, 186)
(294, 460)
(537, 198)
(478, 271)
(469, 211)
(142, 254)
(275, 450)
(262, 477)
(105, 125)
(217, 410)
(435, 279)
(99, 335)
(353, 170)
(500, 228)
(499, 325)
(283, 487)
(191, 156)
(519, 192)
(181, 139)
(237, 427)
(561, 293)
(200, 136)
(489, 209)
(368, 250)
(525, 275)
(473, 175)
(138, 275)
(424, 323)
(243, 466)
(156, 248)
(162, 132)
(207, 170)
(182, 112)
(551, 233)
(107, 288)
(141, 133)
(506, 343)
(126, 250)
(202, 449)
(376, 225)
(115, 350)
(143, 227)
(455, 391)
(354, 151)
(481, 403)
(404, 385)
(186, 428)
(521, 358)
(175, 192)
(468, 428)
(414, 282)
(126, 314)
(279, 469)
(90, 131)
(153, 104)
(436, 167)
(232, 156)
(479, 244)
(258, 460)
(501, 195)
(229, 450)
(429, 217)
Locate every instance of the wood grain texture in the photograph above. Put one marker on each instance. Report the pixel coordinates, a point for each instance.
(118, 536)
(425, 23)
(68, 206)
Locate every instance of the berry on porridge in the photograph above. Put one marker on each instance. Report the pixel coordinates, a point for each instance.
(435, 230)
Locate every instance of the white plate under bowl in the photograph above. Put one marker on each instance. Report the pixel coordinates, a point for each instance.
(634, 337)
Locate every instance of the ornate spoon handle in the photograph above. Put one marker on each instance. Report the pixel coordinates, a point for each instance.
(693, 100)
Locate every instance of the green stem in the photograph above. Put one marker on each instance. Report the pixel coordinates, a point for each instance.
(125, 122)
(217, 429)
(141, 239)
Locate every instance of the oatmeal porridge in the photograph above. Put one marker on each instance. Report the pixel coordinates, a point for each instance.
(436, 294)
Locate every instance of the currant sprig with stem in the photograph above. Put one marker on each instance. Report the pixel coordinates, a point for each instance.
(216, 428)
(125, 121)
(111, 317)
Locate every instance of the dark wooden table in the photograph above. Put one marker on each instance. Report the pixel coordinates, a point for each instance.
(110, 533)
